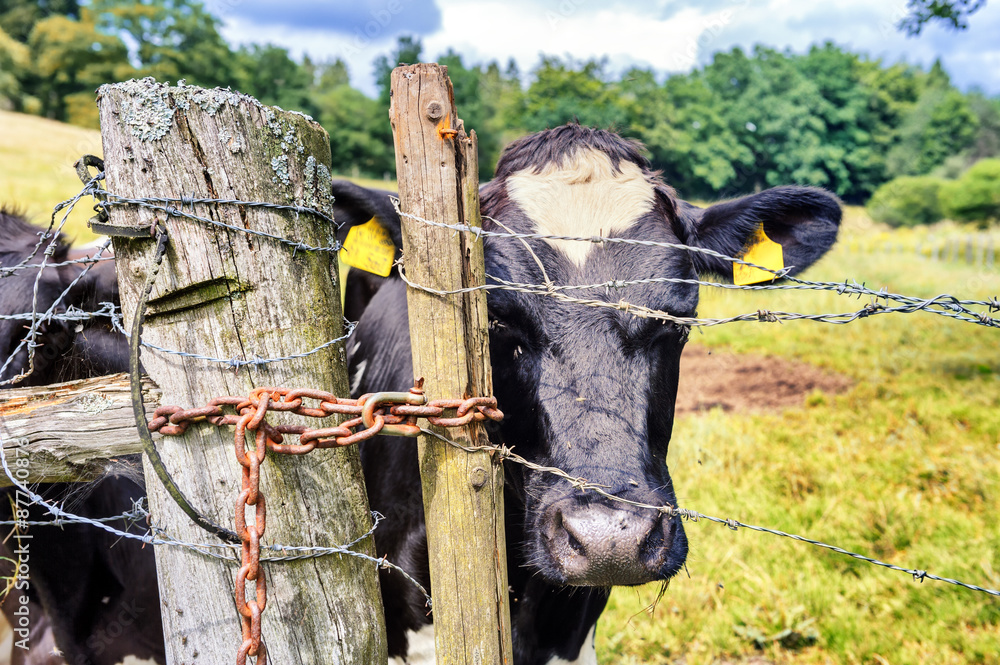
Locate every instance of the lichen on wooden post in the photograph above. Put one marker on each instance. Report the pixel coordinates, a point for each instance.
(226, 294)
(437, 168)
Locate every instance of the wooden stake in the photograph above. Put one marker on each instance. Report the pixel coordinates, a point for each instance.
(437, 168)
(226, 294)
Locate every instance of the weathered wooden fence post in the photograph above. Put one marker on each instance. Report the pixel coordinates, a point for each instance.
(437, 167)
(227, 294)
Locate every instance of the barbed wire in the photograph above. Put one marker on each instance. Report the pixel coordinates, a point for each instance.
(152, 204)
(233, 363)
(72, 314)
(158, 537)
(4, 272)
(29, 339)
(583, 485)
(943, 305)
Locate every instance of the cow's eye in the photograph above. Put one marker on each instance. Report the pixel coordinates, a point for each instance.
(667, 334)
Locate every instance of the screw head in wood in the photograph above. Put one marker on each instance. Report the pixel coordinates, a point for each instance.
(435, 111)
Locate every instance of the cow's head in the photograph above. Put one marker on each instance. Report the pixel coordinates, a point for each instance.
(591, 390)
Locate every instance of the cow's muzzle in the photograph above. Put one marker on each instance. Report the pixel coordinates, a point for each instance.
(610, 543)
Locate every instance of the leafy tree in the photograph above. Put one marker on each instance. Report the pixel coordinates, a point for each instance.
(941, 124)
(907, 201)
(571, 91)
(953, 13)
(987, 140)
(72, 58)
(18, 17)
(15, 60)
(355, 124)
(503, 101)
(270, 75)
(173, 39)
(328, 75)
(408, 50)
(975, 197)
(686, 134)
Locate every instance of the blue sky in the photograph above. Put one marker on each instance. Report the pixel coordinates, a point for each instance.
(667, 36)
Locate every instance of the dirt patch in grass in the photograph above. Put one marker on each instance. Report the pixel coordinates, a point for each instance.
(744, 383)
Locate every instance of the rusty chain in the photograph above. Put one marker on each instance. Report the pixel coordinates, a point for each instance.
(387, 413)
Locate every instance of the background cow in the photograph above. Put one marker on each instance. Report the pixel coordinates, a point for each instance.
(93, 594)
(588, 390)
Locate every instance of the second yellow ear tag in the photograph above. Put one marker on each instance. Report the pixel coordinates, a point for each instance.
(764, 252)
(369, 247)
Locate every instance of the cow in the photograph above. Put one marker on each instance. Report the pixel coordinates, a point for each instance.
(588, 390)
(91, 597)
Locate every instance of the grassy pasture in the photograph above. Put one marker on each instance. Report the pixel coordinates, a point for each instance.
(904, 467)
(36, 170)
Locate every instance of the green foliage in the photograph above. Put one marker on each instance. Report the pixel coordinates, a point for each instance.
(907, 201)
(975, 197)
(571, 92)
(72, 56)
(953, 13)
(270, 75)
(941, 124)
(745, 121)
(18, 17)
(15, 59)
(355, 125)
(173, 39)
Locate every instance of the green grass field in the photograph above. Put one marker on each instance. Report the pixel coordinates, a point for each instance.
(904, 467)
(36, 170)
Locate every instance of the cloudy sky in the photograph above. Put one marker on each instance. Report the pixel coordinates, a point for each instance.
(667, 35)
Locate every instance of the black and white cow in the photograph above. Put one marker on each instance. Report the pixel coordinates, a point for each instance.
(91, 597)
(588, 390)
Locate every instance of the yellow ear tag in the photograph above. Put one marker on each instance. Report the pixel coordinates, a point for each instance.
(368, 247)
(763, 252)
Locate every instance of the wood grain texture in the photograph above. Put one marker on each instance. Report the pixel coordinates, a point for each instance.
(75, 431)
(463, 492)
(226, 295)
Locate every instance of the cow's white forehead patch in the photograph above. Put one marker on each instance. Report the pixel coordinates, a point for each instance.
(582, 196)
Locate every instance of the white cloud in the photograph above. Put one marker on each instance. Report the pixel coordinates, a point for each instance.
(670, 37)
(523, 31)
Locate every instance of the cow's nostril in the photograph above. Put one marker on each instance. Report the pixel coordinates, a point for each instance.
(575, 544)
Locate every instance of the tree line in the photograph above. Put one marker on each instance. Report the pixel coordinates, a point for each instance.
(744, 121)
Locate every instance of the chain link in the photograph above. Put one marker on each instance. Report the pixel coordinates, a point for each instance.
(387, 413)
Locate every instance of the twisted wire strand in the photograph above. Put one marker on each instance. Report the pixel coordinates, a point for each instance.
(156, 536)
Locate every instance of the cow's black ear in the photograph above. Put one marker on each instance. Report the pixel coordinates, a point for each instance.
(803, 220)
(354, 205)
